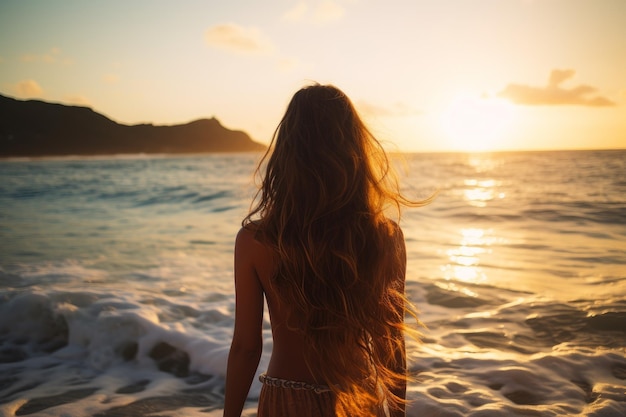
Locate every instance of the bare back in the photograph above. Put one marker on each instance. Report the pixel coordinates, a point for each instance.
(288, 360)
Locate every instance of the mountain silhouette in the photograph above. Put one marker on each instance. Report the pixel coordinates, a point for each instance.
(38, 128)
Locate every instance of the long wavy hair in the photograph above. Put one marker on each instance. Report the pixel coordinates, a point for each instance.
(340, 261)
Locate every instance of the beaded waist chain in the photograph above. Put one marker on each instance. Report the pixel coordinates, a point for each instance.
(283, 383)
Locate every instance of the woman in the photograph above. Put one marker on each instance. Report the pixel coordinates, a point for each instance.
(331, 266)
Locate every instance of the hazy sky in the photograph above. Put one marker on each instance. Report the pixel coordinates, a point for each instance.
(425, 74)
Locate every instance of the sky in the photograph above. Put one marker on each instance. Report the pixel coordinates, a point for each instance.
(426, 75)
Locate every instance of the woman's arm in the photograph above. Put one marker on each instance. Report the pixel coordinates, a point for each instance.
(247, 344)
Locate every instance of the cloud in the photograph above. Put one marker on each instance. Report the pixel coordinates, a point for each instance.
(320, 12)
(28, 89)
(53, 56)
(554, 94)
(398, 109)
(236, 38)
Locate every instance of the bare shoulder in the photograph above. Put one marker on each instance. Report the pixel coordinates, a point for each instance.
(245, 237)
(248, 242)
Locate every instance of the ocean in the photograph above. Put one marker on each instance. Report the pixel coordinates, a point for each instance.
(116, 283)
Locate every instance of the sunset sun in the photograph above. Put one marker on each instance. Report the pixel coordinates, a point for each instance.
(477, 124)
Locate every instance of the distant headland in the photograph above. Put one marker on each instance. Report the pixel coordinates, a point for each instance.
(37, 128)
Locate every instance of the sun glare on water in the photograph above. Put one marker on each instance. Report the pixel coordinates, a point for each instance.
(477, 124)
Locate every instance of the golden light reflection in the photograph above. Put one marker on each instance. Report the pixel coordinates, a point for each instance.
(481, 192)
(465, 273)
(465, 256)
(464, 259)
(483, 162)
(453, 287)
